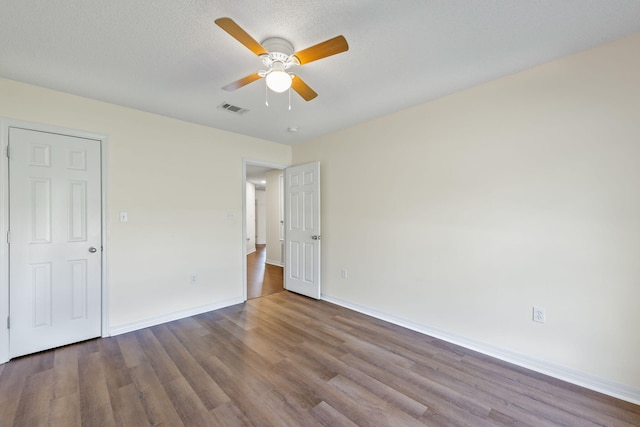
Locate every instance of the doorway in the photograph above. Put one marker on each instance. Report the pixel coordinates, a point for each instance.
(263, 229)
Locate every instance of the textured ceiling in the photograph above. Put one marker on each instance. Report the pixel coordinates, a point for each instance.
(168, 57)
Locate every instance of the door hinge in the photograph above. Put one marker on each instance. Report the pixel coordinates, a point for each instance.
(8, 155)
(8, 236)
(8, 322)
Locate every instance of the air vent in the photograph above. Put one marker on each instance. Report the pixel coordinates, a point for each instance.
(232, 108)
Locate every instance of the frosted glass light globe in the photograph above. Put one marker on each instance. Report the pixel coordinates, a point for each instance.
(278, 80)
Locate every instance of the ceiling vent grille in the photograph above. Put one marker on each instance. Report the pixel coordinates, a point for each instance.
(232, 108)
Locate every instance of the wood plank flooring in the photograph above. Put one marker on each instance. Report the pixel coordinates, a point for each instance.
(262, 279)
(286, 360)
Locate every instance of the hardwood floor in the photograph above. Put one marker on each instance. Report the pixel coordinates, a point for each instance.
(262, 279)
(287, 360)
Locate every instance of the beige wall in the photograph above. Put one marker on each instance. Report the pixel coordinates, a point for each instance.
(261, 217)
(250, 215)
(274, 251)
(461, 214)
(178, 181)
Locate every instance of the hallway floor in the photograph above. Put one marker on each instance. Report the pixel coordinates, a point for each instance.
(262, 279)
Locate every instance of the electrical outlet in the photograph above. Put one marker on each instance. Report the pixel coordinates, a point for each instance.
(194, 279)
(539, 314)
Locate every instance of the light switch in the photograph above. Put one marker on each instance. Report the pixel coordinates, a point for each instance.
(124, 216)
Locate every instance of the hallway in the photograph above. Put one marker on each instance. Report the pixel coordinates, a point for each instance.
(262, 279)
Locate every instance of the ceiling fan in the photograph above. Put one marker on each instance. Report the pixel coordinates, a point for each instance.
(278, 56)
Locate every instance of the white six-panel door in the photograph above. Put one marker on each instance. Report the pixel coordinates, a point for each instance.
(55, 249)
(302, 229)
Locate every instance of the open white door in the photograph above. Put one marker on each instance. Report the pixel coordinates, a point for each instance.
(55, 250)
(302, 229)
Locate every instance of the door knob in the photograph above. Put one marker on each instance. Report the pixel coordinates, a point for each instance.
(92, 249)
(316, 237)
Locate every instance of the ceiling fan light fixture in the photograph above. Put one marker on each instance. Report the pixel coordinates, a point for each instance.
(278, 56)
(278, 80)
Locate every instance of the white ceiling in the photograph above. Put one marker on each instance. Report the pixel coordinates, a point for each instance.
(168, 57)
(257, 175)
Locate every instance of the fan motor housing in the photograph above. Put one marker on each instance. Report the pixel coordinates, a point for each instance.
(280, 54)
(278, 45)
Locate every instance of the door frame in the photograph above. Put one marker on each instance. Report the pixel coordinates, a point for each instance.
(245, 162)
(5, 124)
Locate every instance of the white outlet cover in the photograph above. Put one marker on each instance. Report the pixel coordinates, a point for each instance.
(539, 315)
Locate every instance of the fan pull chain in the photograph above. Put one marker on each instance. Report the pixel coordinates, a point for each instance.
(266, 94)
(289, 98)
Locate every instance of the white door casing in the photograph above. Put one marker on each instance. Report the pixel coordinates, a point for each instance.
(302, 229)
(55, 219)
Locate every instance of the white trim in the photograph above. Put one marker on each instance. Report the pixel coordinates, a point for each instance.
(592, 382)
(104, 155)
(245, 162)
(4, 247)
(272, 262)
(251, 251)
(177, 315)
(5, 124)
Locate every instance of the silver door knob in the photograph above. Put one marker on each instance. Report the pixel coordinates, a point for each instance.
(316, 237)
(92, 249)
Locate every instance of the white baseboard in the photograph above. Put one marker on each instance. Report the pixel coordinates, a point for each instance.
(272, 262)
(130, 327)
(592, 382)
(249, 252)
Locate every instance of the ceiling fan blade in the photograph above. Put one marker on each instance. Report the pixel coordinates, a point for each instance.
(242, 82)
(303, 89)
(241, 35)
(322, 50)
